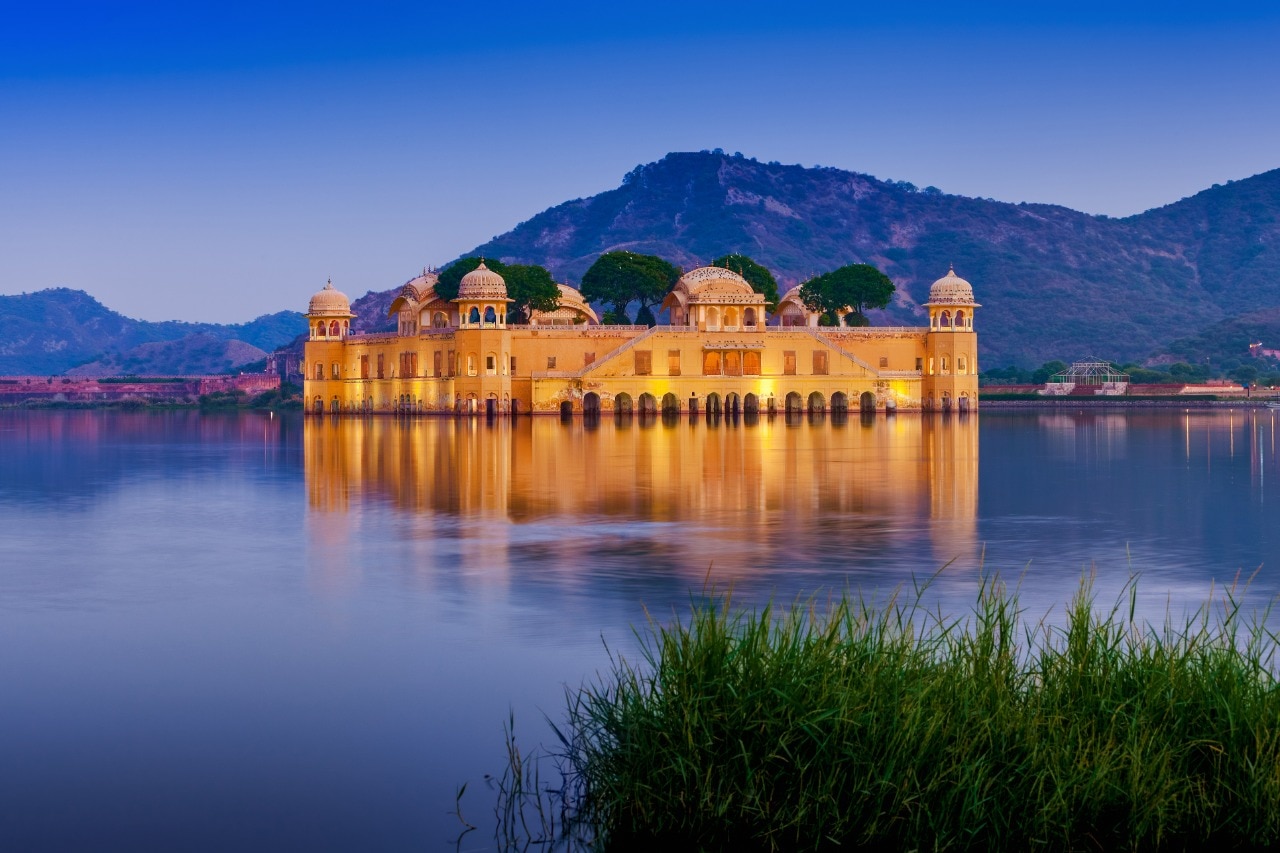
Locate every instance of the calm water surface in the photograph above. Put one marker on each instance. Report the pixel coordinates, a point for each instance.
(258, 633)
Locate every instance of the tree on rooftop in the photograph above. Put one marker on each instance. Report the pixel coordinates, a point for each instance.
(856, 286)
(531, 288)
(620, 278)
(759, 277)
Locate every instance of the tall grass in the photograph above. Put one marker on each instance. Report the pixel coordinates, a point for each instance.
(895, 727)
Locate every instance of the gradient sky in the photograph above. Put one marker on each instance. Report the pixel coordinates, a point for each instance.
(219, 160)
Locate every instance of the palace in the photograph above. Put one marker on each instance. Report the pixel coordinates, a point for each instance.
(722, 352)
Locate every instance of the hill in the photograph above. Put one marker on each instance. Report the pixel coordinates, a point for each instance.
(1224, 346)
(53, 331)
(194, 355)
(1055, 282)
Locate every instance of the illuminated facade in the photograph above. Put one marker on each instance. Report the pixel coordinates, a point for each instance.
(722, 352)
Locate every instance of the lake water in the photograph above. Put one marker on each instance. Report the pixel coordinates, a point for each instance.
(253, 632)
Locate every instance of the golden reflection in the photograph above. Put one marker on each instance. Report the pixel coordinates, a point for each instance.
(728, 493)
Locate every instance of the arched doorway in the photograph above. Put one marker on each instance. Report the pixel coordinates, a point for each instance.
(794, 402)
(591, 403)
(713, 318)
(867, 402)
(335, 406)
(670, 403)
(839, 402)
(749, 318)
(963, 403)
(566, 410)
(732, 404)
(713, 403)
(319, 405)
(622, 404)
(816, 402)
(751, 404)
(648, 404)
(946, 401)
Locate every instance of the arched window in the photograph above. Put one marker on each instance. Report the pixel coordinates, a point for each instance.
(440, 321)
(959, 319)
(749, 317)
(946, 319)
(318, 331)
(944, 364)
(319, 370)
(333, 329)
(713, 318)
(489, 315)
(474, 316)
(960, 364)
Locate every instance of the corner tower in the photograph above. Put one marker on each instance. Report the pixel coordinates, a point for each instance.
(329, 320)
(483, 381)
(951, 346)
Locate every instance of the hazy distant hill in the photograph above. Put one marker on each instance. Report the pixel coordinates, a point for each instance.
(197, 354)
(1054, 282)
(52, 331)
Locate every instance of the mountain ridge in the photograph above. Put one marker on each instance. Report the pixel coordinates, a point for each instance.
(1053, 279)
(1055, 282)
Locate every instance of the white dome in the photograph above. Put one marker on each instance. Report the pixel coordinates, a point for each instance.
(715, 280)
(951, 289)
(482, 283)
(329, 303)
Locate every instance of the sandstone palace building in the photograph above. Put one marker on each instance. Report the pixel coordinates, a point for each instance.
(722, 352)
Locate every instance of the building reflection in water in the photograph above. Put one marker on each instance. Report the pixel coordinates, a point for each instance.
(674, 497)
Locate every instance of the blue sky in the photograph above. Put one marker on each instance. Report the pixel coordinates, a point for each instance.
(216, 161)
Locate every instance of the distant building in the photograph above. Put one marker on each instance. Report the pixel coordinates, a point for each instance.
(722, 352)
(1089, 377)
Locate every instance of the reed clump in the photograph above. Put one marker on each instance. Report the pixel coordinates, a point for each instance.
(895, 727)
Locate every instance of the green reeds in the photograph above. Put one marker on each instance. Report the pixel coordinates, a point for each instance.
(895, 727)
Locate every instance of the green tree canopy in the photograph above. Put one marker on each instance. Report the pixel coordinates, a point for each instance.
(620, 278)
(1245, 374)
(530, 286)
(762, 281)
(1042, 373)
(856, 286)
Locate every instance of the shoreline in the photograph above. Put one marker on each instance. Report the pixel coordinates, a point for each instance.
(1122, 403)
